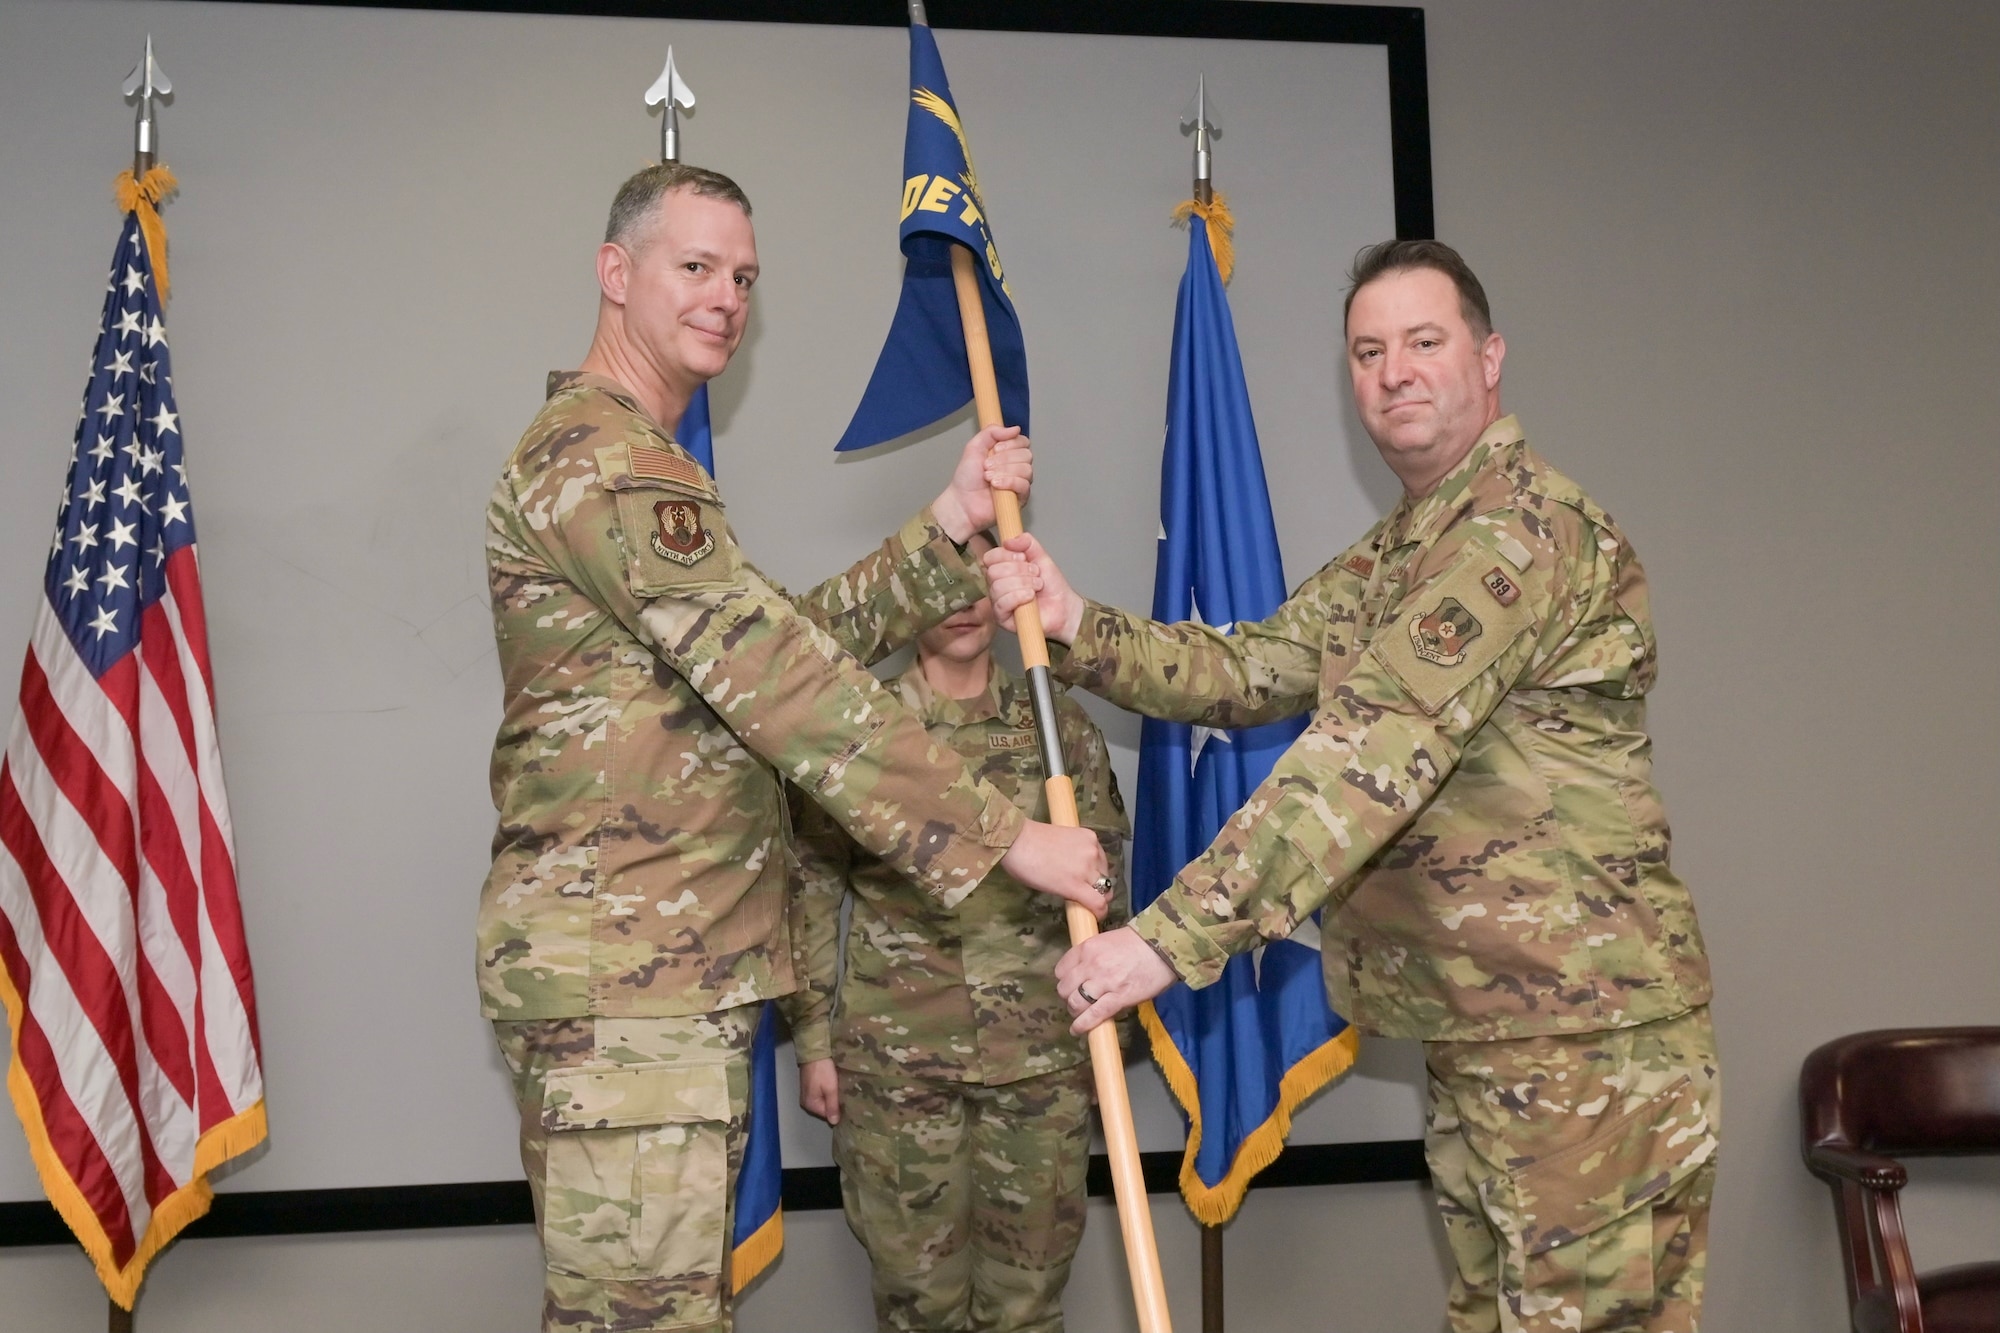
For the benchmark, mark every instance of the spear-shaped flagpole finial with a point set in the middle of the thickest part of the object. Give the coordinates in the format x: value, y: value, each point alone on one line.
x: 146, y: 82
x: 674, y: 92
x: 1202, y: 120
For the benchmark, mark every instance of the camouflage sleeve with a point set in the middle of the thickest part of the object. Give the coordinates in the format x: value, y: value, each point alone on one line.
x: 896, y: 592
x: 1098, y: 804
x: 1492, y: 590
x: 1245, y: 676
x: 823, y: 854
x: 658, y: 556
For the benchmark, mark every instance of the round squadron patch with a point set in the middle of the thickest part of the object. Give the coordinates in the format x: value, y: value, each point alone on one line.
x: 680, y: 536
x: 1444, y: 635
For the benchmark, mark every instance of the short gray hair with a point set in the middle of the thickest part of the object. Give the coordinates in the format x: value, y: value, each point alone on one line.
x: 632, y: 211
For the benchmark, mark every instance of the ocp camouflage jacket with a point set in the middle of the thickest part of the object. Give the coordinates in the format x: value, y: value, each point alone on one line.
x: 659, y: 692
x: 927, y: 991
x: 1473, y: 803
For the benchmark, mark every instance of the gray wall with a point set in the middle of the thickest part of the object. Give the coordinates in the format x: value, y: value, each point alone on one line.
x: 1743, y: 256
x: 384, y: 241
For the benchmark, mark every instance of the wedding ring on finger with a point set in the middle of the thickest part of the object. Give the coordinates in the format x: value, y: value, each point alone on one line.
x: 1088, y: 998
x: 1104, y: 884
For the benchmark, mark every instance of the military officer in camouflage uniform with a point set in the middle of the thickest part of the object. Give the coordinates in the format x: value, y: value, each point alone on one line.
x: 660, y: 692
x: 940, y: 1050
x: 1472, y: 809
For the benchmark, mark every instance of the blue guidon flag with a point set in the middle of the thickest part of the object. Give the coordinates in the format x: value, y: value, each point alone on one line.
x: 758, y: 1235
x: 921, y: 376
x: 1243, y: 1054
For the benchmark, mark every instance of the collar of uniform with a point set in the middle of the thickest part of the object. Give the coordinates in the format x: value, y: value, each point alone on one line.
x: 1495, y: 448
x: 927, y: 703
x: 562, y: 380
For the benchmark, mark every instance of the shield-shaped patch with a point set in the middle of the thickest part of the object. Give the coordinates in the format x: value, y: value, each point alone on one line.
x: 1444, y: 635
x: 680, y: 535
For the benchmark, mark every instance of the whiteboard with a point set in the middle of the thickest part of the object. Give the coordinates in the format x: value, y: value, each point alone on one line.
x: 385, y: 240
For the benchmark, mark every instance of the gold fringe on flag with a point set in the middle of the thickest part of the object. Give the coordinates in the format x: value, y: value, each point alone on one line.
x: 144, y: 197
x: 1221, y: 229
x: 758, y: 1251
x: 1215, y: 1204
x: 238, y: 1134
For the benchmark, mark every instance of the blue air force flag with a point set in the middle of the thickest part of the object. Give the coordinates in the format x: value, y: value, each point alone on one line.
x: 1242, y: 1054
x: 694, y: 434
x: 921, y: 375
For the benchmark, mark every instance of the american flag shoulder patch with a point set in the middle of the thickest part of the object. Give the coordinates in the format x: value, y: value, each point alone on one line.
x: 655, y: 464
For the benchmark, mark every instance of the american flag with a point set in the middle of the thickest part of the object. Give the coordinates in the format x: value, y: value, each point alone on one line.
x: 122, y: 959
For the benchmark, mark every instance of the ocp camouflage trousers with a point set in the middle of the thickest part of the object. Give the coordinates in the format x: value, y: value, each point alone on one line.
x: 632, y: 1138
x: 969, y: 1198
x: 1574, y: 1175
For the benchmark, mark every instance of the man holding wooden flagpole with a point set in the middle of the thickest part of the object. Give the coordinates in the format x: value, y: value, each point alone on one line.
x: 660, y: 693
x: 1472, y: 811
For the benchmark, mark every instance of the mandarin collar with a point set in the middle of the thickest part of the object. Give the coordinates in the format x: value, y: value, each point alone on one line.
x: 1496, y: 446
x: 560, y: 381
x: 925, y: 699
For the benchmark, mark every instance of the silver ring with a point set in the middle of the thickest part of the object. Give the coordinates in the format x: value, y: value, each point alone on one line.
x: 1105, y: 884
x: 1088, y: 998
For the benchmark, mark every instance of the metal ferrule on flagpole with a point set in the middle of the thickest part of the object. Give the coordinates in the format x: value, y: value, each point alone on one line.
x: 1204, y: 184
x: 671, y: 93
x: 1042, y: 696
x: 146, y: 82
x: 1107, y: 1062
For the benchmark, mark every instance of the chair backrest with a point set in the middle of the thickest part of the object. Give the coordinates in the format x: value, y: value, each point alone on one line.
x: 1906, y: 1092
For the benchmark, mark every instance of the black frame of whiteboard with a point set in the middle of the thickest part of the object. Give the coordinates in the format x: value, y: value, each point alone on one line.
x: 1398, y: 29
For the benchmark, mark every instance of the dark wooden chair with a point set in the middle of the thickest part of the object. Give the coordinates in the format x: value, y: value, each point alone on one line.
x: 1868, y: 1099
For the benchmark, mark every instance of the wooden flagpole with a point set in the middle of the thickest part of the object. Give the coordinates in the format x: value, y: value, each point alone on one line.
x: 1114, y: 1105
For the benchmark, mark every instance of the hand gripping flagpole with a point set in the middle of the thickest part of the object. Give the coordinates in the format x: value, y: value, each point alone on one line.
x: 1114, y: 1103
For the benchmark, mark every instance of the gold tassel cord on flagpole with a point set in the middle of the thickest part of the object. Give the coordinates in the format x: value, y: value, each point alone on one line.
x: 1221, y: 229
x: 144, y: 197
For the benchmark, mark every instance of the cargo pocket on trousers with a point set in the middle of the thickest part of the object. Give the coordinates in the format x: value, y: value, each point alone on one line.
x: 871, y: 1193
x: 1567, y: 1204
x: 638, y: 1172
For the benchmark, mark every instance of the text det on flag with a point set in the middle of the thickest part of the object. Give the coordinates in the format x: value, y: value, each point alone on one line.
x: 921, y: 376
x: 135, y: 1066
x: 1243, y: 1054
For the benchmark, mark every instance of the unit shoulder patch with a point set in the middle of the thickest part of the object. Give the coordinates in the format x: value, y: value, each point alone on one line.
x: 1453, y: 630
x: 679, y: 534
x: 1443, y: 635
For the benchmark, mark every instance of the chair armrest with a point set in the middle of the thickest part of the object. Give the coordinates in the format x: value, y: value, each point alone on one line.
x: 1869, y: 1170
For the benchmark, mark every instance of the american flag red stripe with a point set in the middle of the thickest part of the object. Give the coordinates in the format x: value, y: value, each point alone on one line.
x: 135, y: 1062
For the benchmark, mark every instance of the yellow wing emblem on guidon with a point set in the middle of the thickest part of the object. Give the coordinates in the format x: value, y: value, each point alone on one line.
x: 942, y: 109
